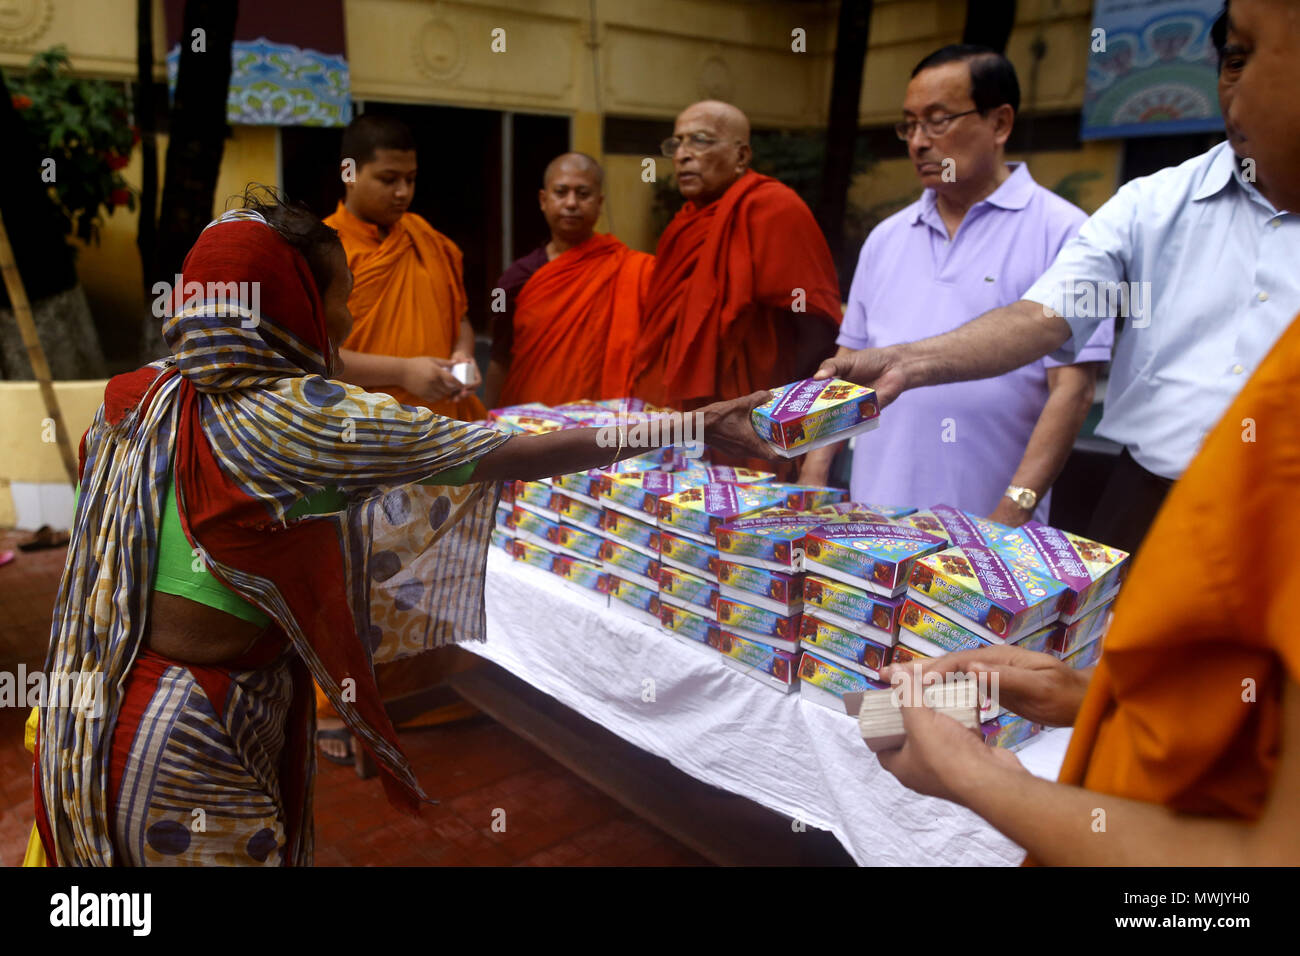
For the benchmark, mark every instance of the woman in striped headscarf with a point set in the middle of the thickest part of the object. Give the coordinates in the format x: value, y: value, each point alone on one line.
x: 325, y: 527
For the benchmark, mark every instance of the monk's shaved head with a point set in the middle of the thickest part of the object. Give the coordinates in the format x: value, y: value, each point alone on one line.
x: 727, y: 120
x: 574, y: 162
x: 710, y: 149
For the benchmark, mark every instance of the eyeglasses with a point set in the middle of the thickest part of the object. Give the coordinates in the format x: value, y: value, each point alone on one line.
x: 698, y: 143
x: 936, y: 126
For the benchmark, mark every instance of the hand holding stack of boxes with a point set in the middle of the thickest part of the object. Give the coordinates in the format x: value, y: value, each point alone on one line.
x: 793, y: 585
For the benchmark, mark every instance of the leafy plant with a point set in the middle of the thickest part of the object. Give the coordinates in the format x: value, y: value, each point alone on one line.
x: 82, y: 125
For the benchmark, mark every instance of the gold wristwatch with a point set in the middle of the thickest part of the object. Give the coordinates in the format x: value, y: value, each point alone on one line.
x: 1027, y: 498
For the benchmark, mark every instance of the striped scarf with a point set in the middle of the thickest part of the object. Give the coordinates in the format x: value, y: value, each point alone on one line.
x: 246, y: 415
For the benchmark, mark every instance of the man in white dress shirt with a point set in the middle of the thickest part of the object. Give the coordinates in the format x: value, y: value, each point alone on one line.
x: 1204, y: 272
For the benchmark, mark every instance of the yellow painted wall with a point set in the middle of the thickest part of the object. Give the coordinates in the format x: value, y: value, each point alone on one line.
x: 24, y: 455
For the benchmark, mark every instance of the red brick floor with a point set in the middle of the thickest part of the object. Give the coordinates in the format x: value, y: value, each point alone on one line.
x: 478, y: 770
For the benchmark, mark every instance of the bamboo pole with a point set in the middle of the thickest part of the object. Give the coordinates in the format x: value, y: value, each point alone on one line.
x: 35, y: 354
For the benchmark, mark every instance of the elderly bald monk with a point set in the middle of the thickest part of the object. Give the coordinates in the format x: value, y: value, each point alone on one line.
x: 744, y: 293
x: 572, y: 306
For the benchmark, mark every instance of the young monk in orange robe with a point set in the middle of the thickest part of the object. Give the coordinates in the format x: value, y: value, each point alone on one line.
x: 408, y: 298
x: 1186, y: 742
x: 744, y: 294
x: 573, y: 306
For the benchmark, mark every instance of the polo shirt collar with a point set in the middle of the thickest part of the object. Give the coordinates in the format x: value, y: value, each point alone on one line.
x: 1220, y: 171
x: 1014, y: 193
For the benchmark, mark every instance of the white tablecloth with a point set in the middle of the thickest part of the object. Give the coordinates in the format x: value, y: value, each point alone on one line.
x: 727, y: 729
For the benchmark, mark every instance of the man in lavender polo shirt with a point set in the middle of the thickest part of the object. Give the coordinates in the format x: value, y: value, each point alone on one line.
x: 978, y: 237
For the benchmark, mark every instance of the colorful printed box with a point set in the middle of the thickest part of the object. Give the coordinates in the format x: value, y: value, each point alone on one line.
x: 853, y: 608
x: 932, y: 634
x: 632, y: 599
x: 1091, y: 572
x: 771, y: 590
x: 1082, y: 632
x: 535, y: 496
x: 501, y: 517
x: 697, y: 512
x: 808, y: 497
x: 877, y: 557
x: 530, y: 419
x: 892, y: 512
x: 763, y: 662
x: 681, y: 622
x: 771, y: 542
x: 809, y: 414
x: 501, y: 539
x: 1040, y: 640
x: 1085, y: 656
x: 959, y: 528
x: 1009, y: 731
x: 658, y: 459
x: 996, y: 599
x: 530, y: 553
x: 906, y: 655
x: 507, y: 494
x: 617, y: 558
x: 575, y: 542
x: 727, y: 475
x: 637, y: 493
x: 583, y: 574
x: 637, y: 535
x: 688, y: 590
x: 581, y: 485
x: 758, y: 624
x: 825, y: 683
x: 688, y: 554
x: 573, y: 510
x: 531, y: 527
x: 844, y: 647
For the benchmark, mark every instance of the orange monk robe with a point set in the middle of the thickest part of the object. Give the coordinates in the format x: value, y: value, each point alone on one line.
x: 1185, y: 707
x: 408, y: 297
x: 575, y: 325
x: 723, y: 316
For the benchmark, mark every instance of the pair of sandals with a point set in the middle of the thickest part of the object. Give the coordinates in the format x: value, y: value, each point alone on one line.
x: 43, y: 539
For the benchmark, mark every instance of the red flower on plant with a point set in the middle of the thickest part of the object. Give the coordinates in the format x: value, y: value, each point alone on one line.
x: 119, y: 197
x: 21, y: 102
x: 135, y: 135
x: 117, y: 161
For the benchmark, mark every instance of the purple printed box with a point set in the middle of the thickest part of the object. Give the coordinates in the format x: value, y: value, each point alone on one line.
x: 1091, y: 572
x: 769, y: 665
x: 681, y: 622
x: 535, y: 496
x: 697, y: 512
x: 853, y: 608
x: 583, y: 574
x: 637, y: 535
x: 727, y: 475
x: 933, y: 635
x: 573, y: 510
x: 1082, y: 632
x: 808, y: 497
x: 688, y: 554
x: 960, y: 528
x: 688, y: 590
x: 637, y: 493
x: 770, y: 590
x: 581, y: 485
x: 996, y: 599
x: 759, y: 624
x: 531, y: 527
x: 619, y: 559
x: 575, y: 542
x: 873, y: 556
x: 772, y: 542
x: 530, y: 553
x: 1009, y: 731
x: 633, y: 599
x: 892, y: 512
x: 844, y: 647
x: 825, y: 683
x: 809, y: 414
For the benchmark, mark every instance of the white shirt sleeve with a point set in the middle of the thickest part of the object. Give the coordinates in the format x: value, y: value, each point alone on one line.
x: 1099, y: 255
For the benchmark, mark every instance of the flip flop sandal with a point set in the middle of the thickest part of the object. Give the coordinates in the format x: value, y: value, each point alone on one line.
x: 43, y: 539
x: 341, y: 734
x: 6, y: 557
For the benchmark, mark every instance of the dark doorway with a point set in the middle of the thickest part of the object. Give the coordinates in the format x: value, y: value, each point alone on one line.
x: 460, y: 184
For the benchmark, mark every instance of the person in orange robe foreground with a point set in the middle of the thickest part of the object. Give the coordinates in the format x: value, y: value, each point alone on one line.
x: 1186, y: 743
x: 410, y: 327
x: 744, y: 294
x: 572, y: 307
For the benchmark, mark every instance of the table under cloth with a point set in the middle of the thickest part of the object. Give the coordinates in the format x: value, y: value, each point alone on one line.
x: 682, y: 703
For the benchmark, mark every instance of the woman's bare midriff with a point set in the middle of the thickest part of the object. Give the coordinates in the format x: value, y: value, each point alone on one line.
x: 194, y: 633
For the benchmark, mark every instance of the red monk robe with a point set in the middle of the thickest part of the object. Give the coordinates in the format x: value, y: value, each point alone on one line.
x: 408, y: 296
x: 575, y: 325
x: 718, y: 322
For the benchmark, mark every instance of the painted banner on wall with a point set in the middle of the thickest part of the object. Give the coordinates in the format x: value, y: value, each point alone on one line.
x: 287, y: 69
x: 1153, y: 69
